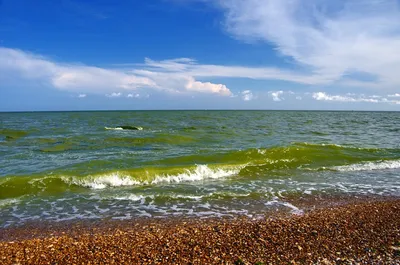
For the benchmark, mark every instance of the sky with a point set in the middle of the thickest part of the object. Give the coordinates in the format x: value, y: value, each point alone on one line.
x: 199, y: 54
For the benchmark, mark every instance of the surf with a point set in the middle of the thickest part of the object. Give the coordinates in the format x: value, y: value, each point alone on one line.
x: 51, y: 184
x: 261, y: 163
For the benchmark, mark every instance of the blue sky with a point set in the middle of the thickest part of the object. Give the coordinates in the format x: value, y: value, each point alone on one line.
x: 199, y: 54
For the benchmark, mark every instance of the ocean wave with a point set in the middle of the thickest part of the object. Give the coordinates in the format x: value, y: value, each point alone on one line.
x: 102, y: 182
x: 249, y: 163
x: 296, y: 155
x: 369, y: 166
x: 11, y: 134
x: 336, y: 146
x: 117, y: 179
x: 7, y: 202
x: 202, y: 172
x: 55, y: 183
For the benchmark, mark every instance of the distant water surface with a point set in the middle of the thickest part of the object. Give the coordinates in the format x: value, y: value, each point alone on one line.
x: 73, y: 165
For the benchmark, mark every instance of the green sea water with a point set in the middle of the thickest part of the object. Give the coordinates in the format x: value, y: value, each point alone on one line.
x: 83, y: 165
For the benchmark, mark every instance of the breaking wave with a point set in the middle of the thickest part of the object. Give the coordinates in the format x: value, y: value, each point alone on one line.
x: 12, y: 187
x: 249, y: 163
x: 379, y: 165
x: 115, y: 179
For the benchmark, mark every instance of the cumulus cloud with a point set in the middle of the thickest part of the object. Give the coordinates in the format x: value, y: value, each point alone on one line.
x: 277, y: 95
x: 114, y: 95
x: 82, y: 96
x: 353, y: 41
x: 326, y: 97
x: 180, y: 82
x: 351, y: 97
x: 193, y: 85
x: 137, y: 95
x: 247, y: 95
x: 133, y: 95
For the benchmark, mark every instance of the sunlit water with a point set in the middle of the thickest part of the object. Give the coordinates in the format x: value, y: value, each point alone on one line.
x: 70, y: 165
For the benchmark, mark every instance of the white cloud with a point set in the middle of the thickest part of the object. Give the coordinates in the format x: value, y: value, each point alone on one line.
x: 25, y: 64
x: 348, y: 43
x: 80, y: 78
x: 197, y: 86
x: 354, y: 41
x: 133, y: 95
x: 76, y: 78
x: 114, y: 95
x: 247, y: 95
x: 189, y: 67
x: 82, y: 96
x: 351, y: 97
x: 326, y: 97
x: 89, y: 79
x: 276, y: 95
x: 179, y: 82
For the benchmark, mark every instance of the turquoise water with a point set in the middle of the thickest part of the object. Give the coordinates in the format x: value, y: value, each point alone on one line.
x: 74, y: 165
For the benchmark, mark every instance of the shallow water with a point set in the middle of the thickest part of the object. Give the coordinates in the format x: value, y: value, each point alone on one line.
x: 70, y: 165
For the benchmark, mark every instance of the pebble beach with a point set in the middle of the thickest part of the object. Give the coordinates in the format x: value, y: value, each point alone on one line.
x: 354, y: 233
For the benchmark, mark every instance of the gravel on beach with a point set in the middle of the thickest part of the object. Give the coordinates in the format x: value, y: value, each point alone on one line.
x: 357, y: 233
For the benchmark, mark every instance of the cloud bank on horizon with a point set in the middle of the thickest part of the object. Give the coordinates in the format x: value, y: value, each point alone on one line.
x: 349, y: 44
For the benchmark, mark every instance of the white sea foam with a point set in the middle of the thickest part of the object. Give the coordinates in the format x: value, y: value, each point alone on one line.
x: 102, y: 182
x: 331, y: 145
x: 7, y: 202
x: 132, y: 197
x: 201, y: 172
x: 309, y: 191
x: 261, y: 151
x: 369, y: 166
x: 195, y: 198
x: 294, y: 209
x: 271, y: 161
x: 114, y: 128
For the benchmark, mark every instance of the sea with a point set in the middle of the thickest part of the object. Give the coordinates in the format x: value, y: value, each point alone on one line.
x: 66, y: 166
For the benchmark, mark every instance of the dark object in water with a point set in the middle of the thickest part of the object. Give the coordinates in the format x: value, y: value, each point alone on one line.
x: 127, y: 127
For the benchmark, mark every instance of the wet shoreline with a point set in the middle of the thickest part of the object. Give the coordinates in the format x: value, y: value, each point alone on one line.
x: 346, y: 230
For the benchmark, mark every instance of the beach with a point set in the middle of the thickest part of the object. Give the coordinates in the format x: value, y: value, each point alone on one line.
x: 199, y: 187
x: 353, y: 233
x: 243, y: 132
